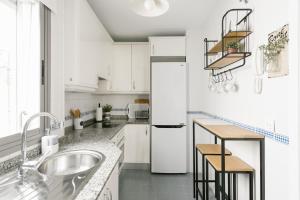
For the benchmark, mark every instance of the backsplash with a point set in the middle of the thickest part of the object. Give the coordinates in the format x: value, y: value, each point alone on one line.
x: 87, y: 103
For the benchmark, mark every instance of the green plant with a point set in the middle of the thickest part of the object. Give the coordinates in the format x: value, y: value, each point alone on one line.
x: 107, y: 108
x: 273, y: 49
x: 233, y: 45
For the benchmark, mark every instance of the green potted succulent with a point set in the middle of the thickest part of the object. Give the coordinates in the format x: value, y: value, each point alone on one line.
x: 233, y: 47
x: 107, y: 112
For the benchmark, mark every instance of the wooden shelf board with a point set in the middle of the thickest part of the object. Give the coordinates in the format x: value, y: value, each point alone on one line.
x: 228, y: 59
x: 228, y: 38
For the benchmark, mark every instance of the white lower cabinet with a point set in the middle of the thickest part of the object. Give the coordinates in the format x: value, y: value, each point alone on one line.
x: 111, y: 188
x: 137, y: 143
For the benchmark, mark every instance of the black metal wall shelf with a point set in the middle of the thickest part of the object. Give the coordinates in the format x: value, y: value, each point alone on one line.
x: 217, y: 56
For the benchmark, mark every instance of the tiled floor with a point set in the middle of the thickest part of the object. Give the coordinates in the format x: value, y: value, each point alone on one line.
x: 142, y: 185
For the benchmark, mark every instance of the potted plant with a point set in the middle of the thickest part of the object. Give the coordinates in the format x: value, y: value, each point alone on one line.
x: 107, y: 112
x: 233, y: 47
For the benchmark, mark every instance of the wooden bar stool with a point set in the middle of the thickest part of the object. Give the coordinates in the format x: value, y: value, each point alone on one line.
x: 234, y: 166
x: 205, y: 150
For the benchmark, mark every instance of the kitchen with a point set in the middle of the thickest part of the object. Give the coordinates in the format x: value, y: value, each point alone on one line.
x: 149, y: 99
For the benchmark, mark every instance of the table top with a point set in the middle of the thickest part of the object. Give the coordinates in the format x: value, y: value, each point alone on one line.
x: 230, y: 132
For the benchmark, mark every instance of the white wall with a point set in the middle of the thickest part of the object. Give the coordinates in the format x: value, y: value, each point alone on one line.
x: 277, y: 102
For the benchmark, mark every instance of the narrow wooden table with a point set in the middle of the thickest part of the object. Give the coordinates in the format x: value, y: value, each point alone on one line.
x: 232, y: 133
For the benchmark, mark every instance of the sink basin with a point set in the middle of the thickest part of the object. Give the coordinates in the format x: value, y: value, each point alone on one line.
x: 71, y: 162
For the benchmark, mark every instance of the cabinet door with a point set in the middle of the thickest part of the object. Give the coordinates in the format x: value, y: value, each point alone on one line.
x: 140, y: 68
x: 111, y: 188
x: 121, y: 70
x: 137, y: 144
x: 167, y: 46
x: 89, y: 45
x: 71, y: 66
x: 113, y: 184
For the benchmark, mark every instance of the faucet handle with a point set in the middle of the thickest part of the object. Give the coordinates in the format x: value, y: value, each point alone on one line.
x: 57, y: 125
x: 47, y: 131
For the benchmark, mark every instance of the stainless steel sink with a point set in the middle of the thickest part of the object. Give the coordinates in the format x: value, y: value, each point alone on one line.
x: 71, y: 162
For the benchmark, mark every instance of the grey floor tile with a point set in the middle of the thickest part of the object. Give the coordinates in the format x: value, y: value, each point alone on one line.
x: 142, y: 185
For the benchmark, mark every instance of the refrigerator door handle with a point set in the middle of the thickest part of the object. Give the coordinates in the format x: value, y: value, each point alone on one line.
x: 169, y: 126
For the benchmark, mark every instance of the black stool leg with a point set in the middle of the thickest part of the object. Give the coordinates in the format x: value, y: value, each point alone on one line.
x: 229, y: 186
x: 207, y: 182
x: 217, y: 186
x: 251, y: 185
x: 234, y: 186
x: 194, y: 151
x: 216, y: 183
x: 204, y: 179
x: 196, y: 177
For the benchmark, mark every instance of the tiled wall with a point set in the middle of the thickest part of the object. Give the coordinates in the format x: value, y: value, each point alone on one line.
x: 87, y: 103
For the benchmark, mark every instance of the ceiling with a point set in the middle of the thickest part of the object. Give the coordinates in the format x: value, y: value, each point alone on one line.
x: 124, y: 25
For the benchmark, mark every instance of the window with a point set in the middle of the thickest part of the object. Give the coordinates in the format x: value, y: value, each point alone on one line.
x: 20, y: 64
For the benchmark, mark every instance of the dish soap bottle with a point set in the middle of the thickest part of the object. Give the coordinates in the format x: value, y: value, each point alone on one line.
x: 99, y: 113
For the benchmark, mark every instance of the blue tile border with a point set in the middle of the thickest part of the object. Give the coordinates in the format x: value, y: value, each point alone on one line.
x: 269, y: 134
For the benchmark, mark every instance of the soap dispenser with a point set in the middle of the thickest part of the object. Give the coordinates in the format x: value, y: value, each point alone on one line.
x: 99, y: 113
x: 50, y: 143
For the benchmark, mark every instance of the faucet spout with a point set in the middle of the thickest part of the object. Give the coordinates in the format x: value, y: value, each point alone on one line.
x: 24, y: 137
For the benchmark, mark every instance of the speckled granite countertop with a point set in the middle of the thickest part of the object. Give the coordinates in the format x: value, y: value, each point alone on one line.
x: 98, y: 139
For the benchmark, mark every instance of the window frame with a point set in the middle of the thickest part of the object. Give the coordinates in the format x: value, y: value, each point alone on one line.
x: 12, y: 143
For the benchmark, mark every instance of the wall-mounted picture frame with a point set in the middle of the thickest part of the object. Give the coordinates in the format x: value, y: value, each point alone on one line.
x: 277, y: 53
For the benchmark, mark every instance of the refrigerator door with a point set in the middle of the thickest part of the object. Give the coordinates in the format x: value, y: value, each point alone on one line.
x: 168, y: 93
x: 168, y: 149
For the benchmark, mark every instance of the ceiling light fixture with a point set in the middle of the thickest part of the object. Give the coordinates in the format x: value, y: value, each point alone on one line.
x: 149, y: 4
x: 149, y: 8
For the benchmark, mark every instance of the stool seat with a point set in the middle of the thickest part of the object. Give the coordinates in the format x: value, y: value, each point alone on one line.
x: 233, y: 164
x: 211, y: 149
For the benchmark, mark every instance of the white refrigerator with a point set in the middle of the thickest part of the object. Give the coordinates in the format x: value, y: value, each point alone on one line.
x: 168, y: 117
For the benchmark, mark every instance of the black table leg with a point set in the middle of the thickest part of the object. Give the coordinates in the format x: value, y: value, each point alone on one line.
x: 251, y: 186
x: 196, y: 176
x: 234, y: 186
x: 204, y: 178
x: 229, y: 186
x: 262, y: 169
x: 207, y: 183
x: 194, y: 186
x: 223, y: 169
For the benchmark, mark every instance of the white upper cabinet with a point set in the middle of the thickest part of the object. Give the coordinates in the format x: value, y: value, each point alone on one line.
x: 130, y: 71
x: 121, y: 70
x: 168, y: 46
x: 140, y: 67
x: 87, y: 47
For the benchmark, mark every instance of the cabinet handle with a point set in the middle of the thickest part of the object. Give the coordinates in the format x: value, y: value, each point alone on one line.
x: 105, y: 197
x: 71, y: 79
x: 146, y: 131
x: 153, y: 49
x: 133, y: 85
x: 109, y: 194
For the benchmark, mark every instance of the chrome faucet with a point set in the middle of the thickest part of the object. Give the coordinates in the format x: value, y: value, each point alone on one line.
x: 24, y: 163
